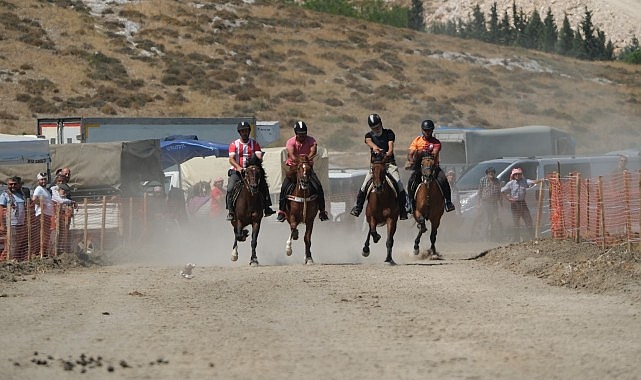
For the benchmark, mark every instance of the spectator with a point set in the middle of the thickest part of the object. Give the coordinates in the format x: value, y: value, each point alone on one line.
x: 489, y: 195
x: 216, y: 196
x: 451, y: 179
x: 13, y: 201
x: 176, y: 205
x: 622, y: 165
x: 516, y: 189
x: 63, y: 210
x: 55, y: 194
x: 43, y: 212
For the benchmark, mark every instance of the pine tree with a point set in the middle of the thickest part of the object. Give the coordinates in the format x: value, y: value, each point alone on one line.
x: 550, y: 32
x: 565, y: 43
x: 494, y: 32
x: 415, y: 17
x: 591, y: 46
x: 505, y: 30
x: 476, y: 27
x: 533, y: 32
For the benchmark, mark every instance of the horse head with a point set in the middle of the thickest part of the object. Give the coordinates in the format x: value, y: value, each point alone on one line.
x: 427, y: 166
x: 379, y: 171
x: 303, y: 172
x: 252, y: 176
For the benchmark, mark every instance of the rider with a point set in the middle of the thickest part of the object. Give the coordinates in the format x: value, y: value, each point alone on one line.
x: 300, y: 145
x: 240, y: 150
x: 428, y: 143
x: 381, y: 141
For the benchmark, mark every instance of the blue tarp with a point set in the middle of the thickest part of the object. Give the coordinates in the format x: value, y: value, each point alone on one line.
x: 175, y: 152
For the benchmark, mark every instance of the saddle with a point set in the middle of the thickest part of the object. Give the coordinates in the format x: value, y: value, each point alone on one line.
x: 388, y: 178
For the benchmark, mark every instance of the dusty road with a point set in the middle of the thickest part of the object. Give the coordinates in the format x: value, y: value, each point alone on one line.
x: 343, y: 318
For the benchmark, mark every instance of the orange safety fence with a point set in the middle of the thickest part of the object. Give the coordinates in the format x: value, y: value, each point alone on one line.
x: 87, y: 225
x: 603, y: 210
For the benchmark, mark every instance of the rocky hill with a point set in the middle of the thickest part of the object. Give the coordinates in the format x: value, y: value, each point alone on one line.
x: 278, y: 61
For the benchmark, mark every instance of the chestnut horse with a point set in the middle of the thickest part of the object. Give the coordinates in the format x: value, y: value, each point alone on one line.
x: 303, y: 207
x: 248, y: 209
x: 382, y: 207
x: 430, y: 203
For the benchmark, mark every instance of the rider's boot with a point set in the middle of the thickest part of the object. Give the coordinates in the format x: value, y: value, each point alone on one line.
x: 402, y: 201
x: 229, y: 203
x: 322, y: 214
x: 269, y: 211
x: 360, y: 201
x: 447, y: 193
x: 281, y: 209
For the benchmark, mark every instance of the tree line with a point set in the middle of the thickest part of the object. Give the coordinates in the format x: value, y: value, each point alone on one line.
x: 531, y: 31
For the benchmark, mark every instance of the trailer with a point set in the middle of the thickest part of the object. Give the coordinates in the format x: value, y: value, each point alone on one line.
x: 66, y: 130
x: 465, y: 147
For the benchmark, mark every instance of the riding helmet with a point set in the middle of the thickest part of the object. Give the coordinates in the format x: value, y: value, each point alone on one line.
x: 300, y: 127
x: 374, y: 120
x: 243, y: 125
x: 427, y: 124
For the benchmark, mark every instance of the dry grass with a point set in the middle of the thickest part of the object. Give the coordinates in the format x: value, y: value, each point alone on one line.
x: 280, y: 62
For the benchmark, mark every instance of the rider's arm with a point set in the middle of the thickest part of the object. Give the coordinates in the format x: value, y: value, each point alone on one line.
x: 371, y: 145
x: 290, y: 153
x: 312, y: 151
x: 390, y: 148
x: 233, y: 162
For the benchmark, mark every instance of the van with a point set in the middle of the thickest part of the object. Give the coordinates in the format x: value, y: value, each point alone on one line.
x: 534, y: 168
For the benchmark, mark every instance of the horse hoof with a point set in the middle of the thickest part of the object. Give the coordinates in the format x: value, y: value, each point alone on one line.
x: 309, y: 260
x: 436, y: 256
x: 288, y: 252
x: 365, y: 251
x: 253, y: 263
x: 234, y: 257
x: 390, y: 262
x: 416, y: 252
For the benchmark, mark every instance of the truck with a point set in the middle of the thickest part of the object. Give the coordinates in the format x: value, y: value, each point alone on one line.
x: 465, y: 147
x: 68, y: 130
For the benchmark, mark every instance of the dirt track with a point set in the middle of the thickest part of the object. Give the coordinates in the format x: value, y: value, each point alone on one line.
x: 345, y: 317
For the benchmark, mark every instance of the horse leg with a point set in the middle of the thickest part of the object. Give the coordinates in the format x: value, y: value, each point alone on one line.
x: 435, y: 255
x: 234, y: 250
x: 366, y: 245
x: 308, y: 243
x: 391, y: 230
x: 254, y: 243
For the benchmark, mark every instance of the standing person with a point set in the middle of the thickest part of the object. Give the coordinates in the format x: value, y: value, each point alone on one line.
x: 381, y: 142
x: 516, y: 189
x: 622, y: 164
x: 428, y: 143
x: 216, y: 196
x: 489, y: 195
x: 44, y: 212
x: 63, y: 208
x: 12, y: 201
x: 300, y: 145
x: 451, y: 180
x: 240, y: 150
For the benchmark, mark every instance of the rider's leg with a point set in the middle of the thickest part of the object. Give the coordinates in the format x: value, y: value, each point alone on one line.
x: 264, y: 189
x: 229, y: 201
x: 411, y: 187
x: 360, y: 198
x: 402, y: 196
x: 447, y: 191
x: 282, y: 199
x: 322, y: 214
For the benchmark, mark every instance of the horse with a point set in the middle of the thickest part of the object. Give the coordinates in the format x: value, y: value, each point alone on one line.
x: 303, y: 207
x: 429, y: 200
x: 248, y: 208
x: 382, y: 207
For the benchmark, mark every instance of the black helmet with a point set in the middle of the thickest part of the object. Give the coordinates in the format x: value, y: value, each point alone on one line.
x: 374, y: 120
x: 243, y: 125
x: 427, y: 124
x: 490, y: 169
x: 300, y: 127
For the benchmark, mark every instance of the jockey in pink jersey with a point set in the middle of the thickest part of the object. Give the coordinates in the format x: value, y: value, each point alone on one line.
x: 300, y: 145
x: 240, y: 150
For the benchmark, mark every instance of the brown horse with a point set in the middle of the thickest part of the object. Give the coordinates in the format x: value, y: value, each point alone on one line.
x: 382, y: 207
x: 430, y: 203
x: 303, y: 207
x: 248, y: 210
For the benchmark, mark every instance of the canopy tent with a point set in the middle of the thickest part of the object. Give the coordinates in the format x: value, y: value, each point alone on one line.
x: 176, y: 151
x: 23, y: 156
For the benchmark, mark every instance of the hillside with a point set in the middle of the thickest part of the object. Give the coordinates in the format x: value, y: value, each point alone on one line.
x: 280, y: 62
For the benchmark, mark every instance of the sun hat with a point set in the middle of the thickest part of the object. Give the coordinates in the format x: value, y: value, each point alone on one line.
x: 42, y: 175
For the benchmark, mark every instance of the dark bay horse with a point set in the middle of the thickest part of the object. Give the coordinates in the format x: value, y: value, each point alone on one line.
x: 430, y: 203
x: 248, y: 208
x: 382, y: 207
x: 303, y: 207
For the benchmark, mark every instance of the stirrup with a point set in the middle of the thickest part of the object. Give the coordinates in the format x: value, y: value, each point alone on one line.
x: 356, y: 211
x: 281, y: 216
x: 268, y: 211
x: 322, y: 215
x: 449, y: 206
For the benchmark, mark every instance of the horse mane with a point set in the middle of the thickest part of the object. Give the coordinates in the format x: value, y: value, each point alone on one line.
x: 253, y: 160
x: 417, y: 162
